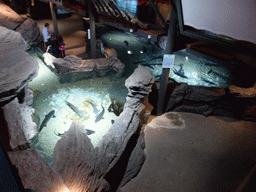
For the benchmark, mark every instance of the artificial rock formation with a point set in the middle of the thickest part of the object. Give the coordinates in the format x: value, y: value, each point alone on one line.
x: 8, y: 17
x: 15, y: 73
x: 30, y: 32
x: 28, y: 28
x: 119, y: 155
x: 35, y: 173
x: 233, y: 102
x: 73, y: 68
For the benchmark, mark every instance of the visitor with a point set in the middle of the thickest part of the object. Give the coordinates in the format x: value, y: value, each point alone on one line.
x: 62, y: 47
x: 53, y: 45
x: 46, y: 35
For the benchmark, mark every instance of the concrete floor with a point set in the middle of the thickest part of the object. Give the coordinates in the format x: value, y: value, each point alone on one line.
x: 201, y: 154
x: 196, y: 154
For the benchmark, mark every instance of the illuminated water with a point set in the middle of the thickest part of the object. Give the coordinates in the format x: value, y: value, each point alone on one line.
x: 50, y: 95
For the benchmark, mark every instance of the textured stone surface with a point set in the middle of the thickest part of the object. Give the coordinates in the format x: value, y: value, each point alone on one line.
x: 30, y: 32
x: 13, y: 117
x: 15, y: 73
x: 73, y: 67
x: 119, y: 155
x: 233, y: 102
x: 139, y: 85
x: 35, y: 173
x: 28, y: 28
x: 162, y: 42
x: 8, y: 17
x: 20, y: 123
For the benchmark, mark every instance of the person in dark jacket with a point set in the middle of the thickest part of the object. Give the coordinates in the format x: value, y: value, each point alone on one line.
x: 54, y: 46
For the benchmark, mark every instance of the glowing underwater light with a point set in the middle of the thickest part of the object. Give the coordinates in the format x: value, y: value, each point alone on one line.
x: 194, y: 74
x: 129, y: 52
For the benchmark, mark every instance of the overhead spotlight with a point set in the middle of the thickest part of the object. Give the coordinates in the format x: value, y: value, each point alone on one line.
x: 129, y: 52
x: 141, y: 52
x: 186, y: 58
x: 149, y: 36
x: 131, y: 30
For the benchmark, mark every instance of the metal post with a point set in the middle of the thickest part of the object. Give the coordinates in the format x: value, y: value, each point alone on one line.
x: 157, y: 12
x: 54, y: 18
x: 165, y: 72
x: 92, y: 31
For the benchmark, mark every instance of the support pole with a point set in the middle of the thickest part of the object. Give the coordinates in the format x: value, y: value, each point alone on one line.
x: 92, y: 30
x: 54, y: 18
x: 165, y: 72
x: 157, y: 12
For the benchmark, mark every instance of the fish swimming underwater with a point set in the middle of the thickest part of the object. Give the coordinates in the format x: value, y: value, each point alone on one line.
x: 100, y: 116
x: 75, y: 109
x: 95, y: 110
x: 180, y: 72
x: 207, y: 81
x: 126, y: 43
x: 219, y: 75
x: 88, y: 131
x: 46, y: 119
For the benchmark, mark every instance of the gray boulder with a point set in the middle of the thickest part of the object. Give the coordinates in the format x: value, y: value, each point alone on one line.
x: 9, y: 18
x: 30, y: 32
x: 73, y: 68
x: 15, y: 73
x: 35, y: 173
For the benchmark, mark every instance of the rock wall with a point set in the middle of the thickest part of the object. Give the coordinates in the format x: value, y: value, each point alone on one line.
x: 28, y: 28
x: 35, y: 173
x: 232, y: 102
x: 72, y: 68
x: 17, y: 66
x: 119, y: 155
x: 19, y: 119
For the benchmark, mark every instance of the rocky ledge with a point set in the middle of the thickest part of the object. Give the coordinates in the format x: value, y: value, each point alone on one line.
x: 234, y: 101
x: 18, y: 68
x: 28, y: 28
x: 72, y: 68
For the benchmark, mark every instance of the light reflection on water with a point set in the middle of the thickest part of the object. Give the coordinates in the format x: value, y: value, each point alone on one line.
x: 51, y: 95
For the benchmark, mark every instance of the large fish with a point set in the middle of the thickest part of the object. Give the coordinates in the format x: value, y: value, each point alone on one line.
x: 126, y: 43
x: 217, y: 74
x: 75, y: 109
x: 46, y: 119
x: 207, y: 81
x: 88, y: 131
x: 100, y: 116
x: 180, y: 72
x: 95, y: 110
x: 44, y: 123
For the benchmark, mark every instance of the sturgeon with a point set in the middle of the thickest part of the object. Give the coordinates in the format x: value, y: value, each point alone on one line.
x: 75, y: 109
x: 44, y: 123
x: 95, y: 110
x: 46, y: 119
x: 100, y: 116
x: 180, y: 72
x: 88, y: 131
